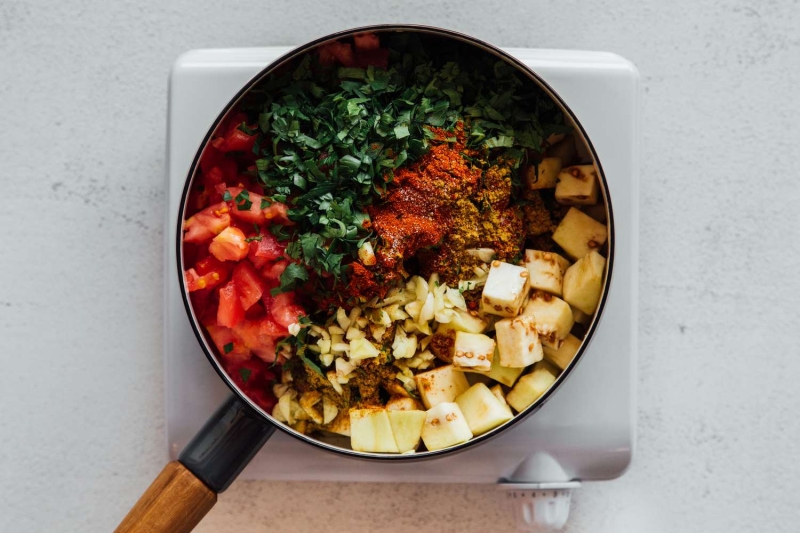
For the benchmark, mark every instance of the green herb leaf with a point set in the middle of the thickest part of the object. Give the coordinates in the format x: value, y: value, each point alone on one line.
x: 242, y: 200
x: 245, y: 373
x: 293, y: 275
x: 228, y: 348
x: 312, y: 365
x: 226, y: 196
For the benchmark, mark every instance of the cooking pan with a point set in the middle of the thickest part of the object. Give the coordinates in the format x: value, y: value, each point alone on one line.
x: 187, y: 489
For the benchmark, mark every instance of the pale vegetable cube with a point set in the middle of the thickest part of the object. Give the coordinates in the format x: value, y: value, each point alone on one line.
x: 546, y: 270
x: 578, y: 234
x: 403, y: 403
x: 577, y: 185
x: 564, y: 150
x: 552, y: 316
x: 462, y: 321
x: 530, y: 387
x: 473, y: 352
x: 482, y: 409
x: 497, y: 390
x: 503, y: 374
x: 597, y: 212
x: 580, y: 317
x: 340, y: 424
x: 439, y: 385
x: 445, y: 426
x: 407, y: 428
x: 370, y: 431
x: 544, y: 175
x: 518, y: 343
x: 583, y: 282
x: 505, y: 289
x: 562, y: 356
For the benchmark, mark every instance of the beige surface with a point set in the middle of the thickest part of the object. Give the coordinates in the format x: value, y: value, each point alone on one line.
x: 260, y: 507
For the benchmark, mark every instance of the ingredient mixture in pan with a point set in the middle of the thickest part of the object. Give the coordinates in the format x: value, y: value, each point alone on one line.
x: 396, y: 240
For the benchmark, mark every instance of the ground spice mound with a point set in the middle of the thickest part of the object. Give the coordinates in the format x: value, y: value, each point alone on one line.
x: 418, y: 211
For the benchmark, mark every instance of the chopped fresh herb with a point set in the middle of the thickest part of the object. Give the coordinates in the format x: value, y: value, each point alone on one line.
x: 265, y: 203
x: 312, y: 365
x: 257, y: 236
x: 291, y: 277
x: 226, y: 196
x: 245, y: 374
x: 228, y: 348
x: 242, y: 200
x: 336, y: 135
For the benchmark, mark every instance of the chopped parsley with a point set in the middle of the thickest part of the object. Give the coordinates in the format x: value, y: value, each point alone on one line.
x: 226, y: 196
x: 228, y: 348
x: 245, y: 374
x: 333, y: 137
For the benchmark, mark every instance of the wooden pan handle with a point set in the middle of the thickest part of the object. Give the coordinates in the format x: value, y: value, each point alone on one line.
x: 174, y: 503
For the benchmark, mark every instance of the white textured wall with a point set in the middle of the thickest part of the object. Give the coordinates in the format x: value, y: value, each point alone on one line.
x: 82, y: 108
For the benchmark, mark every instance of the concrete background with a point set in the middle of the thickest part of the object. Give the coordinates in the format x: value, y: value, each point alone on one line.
x: 82, y: 104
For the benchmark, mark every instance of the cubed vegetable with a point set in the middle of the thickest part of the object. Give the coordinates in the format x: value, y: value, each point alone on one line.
x: 505, y: 289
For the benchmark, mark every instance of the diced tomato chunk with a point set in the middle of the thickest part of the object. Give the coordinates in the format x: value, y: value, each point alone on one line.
x: 378, y: 57
x: 274, y: 271
x: 265, y: 250
x: 230, y: 312
x: 229, y: 245
x: 211, y: 158
x: 366, y: 41
x: 230, y: 348
x: 285, y: 311
x: 249, y: 332
x: 253, y: 213
x: 207, y: 273
x: 211, y: 264
x: 273, y: 329
x: 249, y: 284
x: 263, y: 398
x: 279, y: 213
x: 203, y: 226
x: 238, y: 141
x: 341, y: 52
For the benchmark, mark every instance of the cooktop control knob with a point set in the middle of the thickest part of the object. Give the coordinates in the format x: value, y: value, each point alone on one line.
x: 540, y: 507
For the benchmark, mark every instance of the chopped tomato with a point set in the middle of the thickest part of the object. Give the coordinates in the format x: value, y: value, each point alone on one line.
x: 249, y: 284
x: 274, y: 271
x: 203, y: 226
x: 231, y: 123
x: 366, y: 41
x: 211, y: 264
x: 265, y: 250
x: 263, y: 398
x: 249, y: 332
x: 238, y: 141
x: 378, y: 57
x: 341, y: 52
x: 271, y: 328
x: 198, y: 199
x: 253, y: 214
x: 230, y: 312
x: 229, y: 347
x: 229, y: 245
x: 285, y: 311
x: 326, y: 57
x: 211, y: 158
x: 208, y: 272
x: 203, y: 308
x: 279, y: 213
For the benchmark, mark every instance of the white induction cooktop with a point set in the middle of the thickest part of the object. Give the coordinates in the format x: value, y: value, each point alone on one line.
x: 585, y: 432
